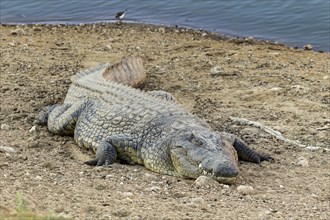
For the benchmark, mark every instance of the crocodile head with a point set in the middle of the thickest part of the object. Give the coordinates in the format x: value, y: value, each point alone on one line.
x: 204, y: 153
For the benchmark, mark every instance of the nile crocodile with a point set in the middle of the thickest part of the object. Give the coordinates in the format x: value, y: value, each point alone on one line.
x: 119, y: 122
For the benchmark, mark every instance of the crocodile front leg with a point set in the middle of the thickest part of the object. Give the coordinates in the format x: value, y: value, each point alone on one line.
x: 244, y: 152
x: 106, y: 154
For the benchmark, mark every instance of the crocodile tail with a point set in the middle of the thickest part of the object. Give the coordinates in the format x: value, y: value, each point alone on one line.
x: 128, y: 71
x: 88, y: 71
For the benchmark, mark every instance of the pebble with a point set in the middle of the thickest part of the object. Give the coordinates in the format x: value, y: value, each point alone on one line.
x: 5, y: 127
x: 17, y: 32
x: 33, y: 129
x: 161, y: 30
x: 245, y: 190
x: 154, y: 188
x: 121, y: 212
x: 308, y: 47
x: 107, y: 48
x: 38, y: 178
x: 109, y: 176
x: 302, y: 161
x: 197, y: 200
x: 204, y: 34
x: 264, y: 213
x: 215, y: 71
x: 36, y: 28
x: 151, y: 176
x: 206, y: 181
x: 127, y: 194
x: 7, y: 149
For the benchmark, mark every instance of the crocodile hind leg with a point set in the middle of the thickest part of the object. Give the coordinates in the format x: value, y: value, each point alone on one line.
x: 61, y: 119
x: 244, y: 152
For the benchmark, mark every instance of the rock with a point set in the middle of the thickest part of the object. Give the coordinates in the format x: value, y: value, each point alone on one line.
x: 127, y: 194
x: 36, y: 28
x: 308, y: 47
x: 245, y: 190
x: 38, y: 178
x: 161, y: 30
x: 216, y: 71
x: 263, y: 214
x: 154, y: 188
x: 4, y: 127
x: 121, y: 212
x: 33, y: 129
x: 151, y: 176
x: 7, y: 149
x: 206, y: 181
x: 197, y: 200
x: 109, y: 176
x: 107, y: 48
x: 17, y: 32
x: 204, y: 34
x: 302, y: 161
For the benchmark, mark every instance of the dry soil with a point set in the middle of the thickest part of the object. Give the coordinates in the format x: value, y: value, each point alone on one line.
x: 216, y: 78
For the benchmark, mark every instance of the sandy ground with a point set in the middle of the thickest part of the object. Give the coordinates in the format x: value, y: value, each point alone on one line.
x: 283, y: 88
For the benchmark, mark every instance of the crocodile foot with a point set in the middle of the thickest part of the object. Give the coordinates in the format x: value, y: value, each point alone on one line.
x: 106, y: 154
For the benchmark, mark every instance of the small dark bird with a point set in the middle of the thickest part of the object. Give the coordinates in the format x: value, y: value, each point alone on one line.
x: 120, y: 14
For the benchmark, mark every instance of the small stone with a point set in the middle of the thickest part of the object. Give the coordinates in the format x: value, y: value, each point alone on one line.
x: 121, y: 212
x: 36, y: 28
x: 127, y: 194
x: 308, y: 47
x: 107, y: 48
x: 264, y: 213
x: 161, y: 30
x: 33, y: 129
x: 38, y: 178
x: 216, y: 71
x: 311, y: 148
x: 206, y: 181
x: 154, y: 188
x: 7, y: 149
x: 5, y: 127
x: 245, y: 190
x: 151, y: 176
x: 302, y: 161
x: 17, y: 32
x: 109, y: 176
x: 204, y: 34
x: 197, y: 200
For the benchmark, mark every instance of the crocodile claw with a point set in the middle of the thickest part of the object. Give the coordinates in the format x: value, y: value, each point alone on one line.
x: 98, y: 162
x: 106, y: 154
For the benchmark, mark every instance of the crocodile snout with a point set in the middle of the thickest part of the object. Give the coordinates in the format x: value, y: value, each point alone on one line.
x: 226, y: 171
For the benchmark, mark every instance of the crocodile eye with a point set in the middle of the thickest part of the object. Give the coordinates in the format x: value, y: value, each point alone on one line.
x: 198, y: 142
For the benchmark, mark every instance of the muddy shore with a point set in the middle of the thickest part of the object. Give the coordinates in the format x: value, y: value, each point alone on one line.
x: 216, y: 78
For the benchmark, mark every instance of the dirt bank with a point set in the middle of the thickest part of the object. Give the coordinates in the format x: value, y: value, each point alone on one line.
x: 283, y: 88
